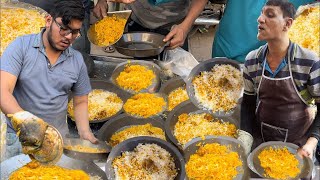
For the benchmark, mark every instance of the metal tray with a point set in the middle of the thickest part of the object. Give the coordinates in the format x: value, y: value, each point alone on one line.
x: 237, y: 146
x: 16, y: 162
x: 207, y: 66
x: 86, y: 155
x: 171, y: 85
x: 130, y: 144
x: 305, y: 164
x: 123, y: 121
x: 108, y: 86
x: 188, y: 107
x: 154, y: 87
x: 141, y: 44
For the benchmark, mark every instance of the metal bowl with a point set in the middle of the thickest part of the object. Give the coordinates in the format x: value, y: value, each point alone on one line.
x: 235, y: 145
x: 207, y: 66
x: 124, y: 121
x: 108, y: 86
x: 141, y: 44
x: 101, y: 145
x: 188, y: 107
x: 130, y: 144
x: 305, y: 164
x: 16, y: 162
x: 156, y: 115
x: 171, y: 85
x: 154, y: 87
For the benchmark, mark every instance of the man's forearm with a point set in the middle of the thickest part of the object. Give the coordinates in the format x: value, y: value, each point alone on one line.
x: 196, y: 8
x: 9, y: 104
x: 81, y: 114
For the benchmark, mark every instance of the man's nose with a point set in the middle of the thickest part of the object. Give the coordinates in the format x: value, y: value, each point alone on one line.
x: 261, y: 18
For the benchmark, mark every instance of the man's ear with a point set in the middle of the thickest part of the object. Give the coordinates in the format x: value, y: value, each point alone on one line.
x: 48, y: 19
x: 288, y: 23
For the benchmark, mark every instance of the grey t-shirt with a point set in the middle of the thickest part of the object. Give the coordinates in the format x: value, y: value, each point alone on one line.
x: 163, y: 15
x: 41, y: 88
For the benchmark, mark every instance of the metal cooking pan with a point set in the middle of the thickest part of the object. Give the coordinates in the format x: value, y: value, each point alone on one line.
x: 108, y: 86
x: 141, y: 44
x: 235, y: 145
x: 87, y: 156
x: 130, y: 144
x: 14, y: 163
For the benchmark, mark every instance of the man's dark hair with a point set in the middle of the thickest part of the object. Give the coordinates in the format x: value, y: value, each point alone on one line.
x: 286, y: 7
x: 68, y: 10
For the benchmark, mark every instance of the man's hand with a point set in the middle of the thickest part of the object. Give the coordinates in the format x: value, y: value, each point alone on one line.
x: 30, y: 129
x: 101, y: 9
x: 88, y: 135
x: 177, y: 36
x: 308, y: 149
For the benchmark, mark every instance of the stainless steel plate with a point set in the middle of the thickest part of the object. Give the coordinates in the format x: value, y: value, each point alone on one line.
x: 188, y: 107
x: 108, y: 86
x: 101, y: 145
x: 130, y: 144
x: 124, y: 121
x: 154, y: 87
x: 207, y: 66
x: 305, y: 164
x: 235, y: 145
x: 16, y: 162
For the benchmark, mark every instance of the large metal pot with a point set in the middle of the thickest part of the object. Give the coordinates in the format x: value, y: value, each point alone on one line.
x: 16, y: 162
x: 141, y: 44
x: 130, y: 144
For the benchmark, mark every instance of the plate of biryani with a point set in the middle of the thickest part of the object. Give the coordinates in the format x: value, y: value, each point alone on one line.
x: 145, y: 158
x: 216, y: 158
x: 176, y: 91
x: 104, y: 101
x: 187, y: 122
x: 21, y: 167
x: 136, y: 76
x: 145, y: 105
x: 108, y: 30
x: 307, y: 23
x: 279, y: 160
x: 124, y: 127
x: 216, y: 85
x: 18, y: 19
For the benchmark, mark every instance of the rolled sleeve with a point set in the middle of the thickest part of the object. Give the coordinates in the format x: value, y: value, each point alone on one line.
x: 313, y: 83
x: 82, y: 86
x: 248, y: 82
x: 12, y: 58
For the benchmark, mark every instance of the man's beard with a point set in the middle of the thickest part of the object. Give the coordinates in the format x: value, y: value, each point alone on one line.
x: 51, y: 43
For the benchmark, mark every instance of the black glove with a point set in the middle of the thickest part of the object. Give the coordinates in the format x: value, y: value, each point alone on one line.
x: 30, y: 129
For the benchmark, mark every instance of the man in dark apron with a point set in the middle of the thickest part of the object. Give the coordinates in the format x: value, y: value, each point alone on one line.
x: 282, y: 84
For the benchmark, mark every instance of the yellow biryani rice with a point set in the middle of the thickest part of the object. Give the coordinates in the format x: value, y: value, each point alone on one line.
x: 85, y: 149
x: 279, y: 163
x: 107, y: 31
x: 15, y: 22
x: 176, y: 97
x: 213, y: 161
x: 145, y: 105
x: 135, y: 131
x: 101, y: 104
x: 218, y: 89
x: 305, y: 30
x: 147, y: 161
x: 34, y: 171
x: 135, y: 77
x: 190, y: 126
